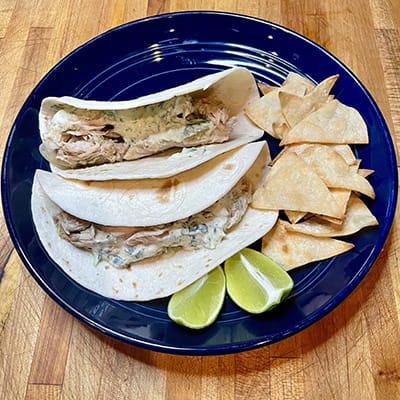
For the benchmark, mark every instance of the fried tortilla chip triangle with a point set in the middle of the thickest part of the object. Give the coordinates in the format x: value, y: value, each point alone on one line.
x: 358, y: 216
x: 297, y: 84
x: 341, y: 196
x: 296, y: 216
x: 292, y: 185
x: 343, y: 149
x: 334, y: 170
x: 334, y: 122
x: 293, y: 249
x: 295, y: 107
x: 266, y: 111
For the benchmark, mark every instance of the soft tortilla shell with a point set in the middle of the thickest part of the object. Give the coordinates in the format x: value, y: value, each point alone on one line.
x: 155, y: 201
x: 149, y: 279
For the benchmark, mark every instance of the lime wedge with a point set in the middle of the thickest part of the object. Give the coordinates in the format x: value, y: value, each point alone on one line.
x: 255, y: 282
x: 198, y: 305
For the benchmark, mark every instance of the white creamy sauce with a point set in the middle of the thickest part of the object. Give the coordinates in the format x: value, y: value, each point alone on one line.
x: 123, y: 246
x: 89, y: 137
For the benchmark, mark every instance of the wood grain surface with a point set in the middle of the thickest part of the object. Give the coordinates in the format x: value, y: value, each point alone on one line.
x: 352, y: 353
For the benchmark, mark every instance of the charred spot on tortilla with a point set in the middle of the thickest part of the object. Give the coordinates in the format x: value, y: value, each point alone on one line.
x: 165, y: 192
x: 169, y: 183
x: 228, y: 167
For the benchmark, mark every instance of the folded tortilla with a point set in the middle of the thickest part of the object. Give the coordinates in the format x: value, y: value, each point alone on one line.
x: 169, y: 270
x: 148, y: 202
x: 154, y: 136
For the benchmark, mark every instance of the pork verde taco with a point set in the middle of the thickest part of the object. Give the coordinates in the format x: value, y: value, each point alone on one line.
x: 154, y: 136
x: 148, y: 260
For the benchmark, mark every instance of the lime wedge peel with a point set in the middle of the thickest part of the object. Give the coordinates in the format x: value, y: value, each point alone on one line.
x: 255, y: 282
x: 199, y: 304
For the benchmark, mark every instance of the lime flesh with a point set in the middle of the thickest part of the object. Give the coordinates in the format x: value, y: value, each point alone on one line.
x: 198, y: 305
x: 255, y: 282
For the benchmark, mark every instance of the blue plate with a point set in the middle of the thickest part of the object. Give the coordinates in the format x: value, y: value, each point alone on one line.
x: 152, y: 54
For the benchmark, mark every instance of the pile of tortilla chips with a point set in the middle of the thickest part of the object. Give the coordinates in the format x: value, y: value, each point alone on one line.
x: 316, y: 180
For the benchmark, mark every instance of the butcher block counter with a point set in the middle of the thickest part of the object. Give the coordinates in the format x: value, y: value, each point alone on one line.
x: 353, y: 352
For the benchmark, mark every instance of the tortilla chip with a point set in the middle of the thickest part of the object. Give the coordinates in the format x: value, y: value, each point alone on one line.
x: 295, y: 108
x: 293, y: 185
x: 332, y: 123
x: 266, y: 111
x: 343, y: 150
x: 341, y: 196
x: 334, y: 171
x: 265, y: 88
x: 295, y: 216
x: 357, y: 217
x: 279, y: 129
x: 365, y: 172
x: 297, y: 84
x: 293, y: 249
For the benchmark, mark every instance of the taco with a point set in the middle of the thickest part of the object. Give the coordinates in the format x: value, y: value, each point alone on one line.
x: 169, y: 132
x: 136, y: 262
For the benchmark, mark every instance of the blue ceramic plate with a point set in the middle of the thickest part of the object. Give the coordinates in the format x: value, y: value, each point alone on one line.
x: 150, y: 55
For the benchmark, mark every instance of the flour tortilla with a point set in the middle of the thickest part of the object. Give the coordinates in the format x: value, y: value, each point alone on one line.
x: 150, y: 278
x: 154, y: 201
x: 234, y: 87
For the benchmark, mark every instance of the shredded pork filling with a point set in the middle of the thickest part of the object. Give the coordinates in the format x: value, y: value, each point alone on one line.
x: 122, y: 246
x: 79, y: 138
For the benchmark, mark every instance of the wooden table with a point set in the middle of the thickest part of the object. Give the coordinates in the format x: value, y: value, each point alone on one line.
x: 352, y: 353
